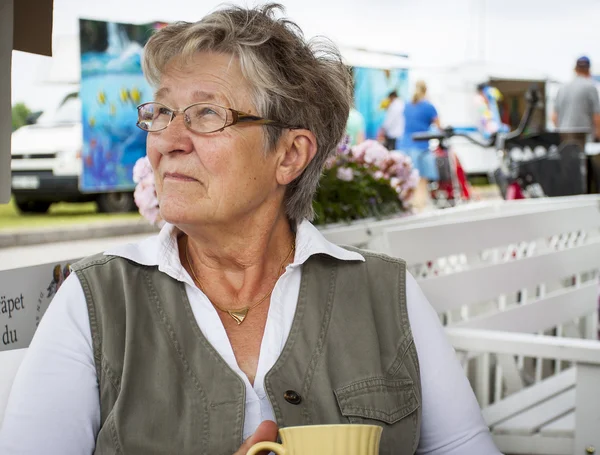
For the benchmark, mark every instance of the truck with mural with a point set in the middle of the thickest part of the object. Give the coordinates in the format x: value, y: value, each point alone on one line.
x: 85, y: 150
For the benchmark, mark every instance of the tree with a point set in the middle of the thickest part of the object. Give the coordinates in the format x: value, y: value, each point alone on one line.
x: 20, y: 114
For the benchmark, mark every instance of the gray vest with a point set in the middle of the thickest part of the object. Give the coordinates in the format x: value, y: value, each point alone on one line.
x: 164, y: 389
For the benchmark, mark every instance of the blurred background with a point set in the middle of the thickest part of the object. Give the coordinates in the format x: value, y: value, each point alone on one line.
x: 75, y: 143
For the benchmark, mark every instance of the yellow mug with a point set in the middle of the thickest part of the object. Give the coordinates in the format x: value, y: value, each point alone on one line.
x: 325, y: 440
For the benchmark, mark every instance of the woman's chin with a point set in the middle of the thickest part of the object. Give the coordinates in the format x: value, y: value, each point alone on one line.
x: 176, y: 211
x: 180, y: 217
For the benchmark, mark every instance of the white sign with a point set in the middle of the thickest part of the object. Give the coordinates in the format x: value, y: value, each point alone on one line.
x: 25, y: 295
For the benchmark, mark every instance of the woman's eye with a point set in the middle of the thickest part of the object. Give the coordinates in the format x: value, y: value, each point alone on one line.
x: 206, y: 111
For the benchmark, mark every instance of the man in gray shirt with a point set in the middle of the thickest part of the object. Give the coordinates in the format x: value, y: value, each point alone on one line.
x: 577, y: 115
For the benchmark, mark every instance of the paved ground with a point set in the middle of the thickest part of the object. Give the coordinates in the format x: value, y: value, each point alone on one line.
x: 24, y: 256
x: 23, y: 237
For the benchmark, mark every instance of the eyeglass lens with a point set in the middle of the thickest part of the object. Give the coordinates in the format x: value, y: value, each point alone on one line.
x: 202, y: 118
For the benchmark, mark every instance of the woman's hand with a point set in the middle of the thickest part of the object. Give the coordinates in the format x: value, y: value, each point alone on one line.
x: 266, y: 431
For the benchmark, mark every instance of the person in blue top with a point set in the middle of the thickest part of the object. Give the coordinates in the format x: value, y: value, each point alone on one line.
x: 419, y: 116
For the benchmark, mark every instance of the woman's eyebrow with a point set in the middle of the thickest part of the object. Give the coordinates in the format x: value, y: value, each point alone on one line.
x: 161, y: 93
x: 197, y: 96
x: 201, y: 95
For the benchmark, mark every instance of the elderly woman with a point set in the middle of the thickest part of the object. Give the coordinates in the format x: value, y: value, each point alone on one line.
x: 239, y: 314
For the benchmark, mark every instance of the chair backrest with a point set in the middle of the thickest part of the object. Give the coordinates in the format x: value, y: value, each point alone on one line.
x: 477, y: 258
x: 369, y: 233
x: 504, y: 248
x: 9, y: 362
x: 529, y: 269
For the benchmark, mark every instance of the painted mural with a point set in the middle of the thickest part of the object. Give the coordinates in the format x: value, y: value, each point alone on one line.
x: 371, y: 88
x: 112, y: 85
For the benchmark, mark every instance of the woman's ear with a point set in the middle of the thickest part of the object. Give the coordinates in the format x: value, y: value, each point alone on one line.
x: 297, y: 149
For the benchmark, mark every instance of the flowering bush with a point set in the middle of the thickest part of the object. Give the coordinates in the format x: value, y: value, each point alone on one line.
x: 364, y: 181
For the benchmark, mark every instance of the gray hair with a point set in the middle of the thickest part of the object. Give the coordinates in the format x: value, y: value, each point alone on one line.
x: 295, y: 81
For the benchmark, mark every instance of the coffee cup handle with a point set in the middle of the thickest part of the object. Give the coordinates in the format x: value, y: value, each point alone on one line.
x: 272, y: 446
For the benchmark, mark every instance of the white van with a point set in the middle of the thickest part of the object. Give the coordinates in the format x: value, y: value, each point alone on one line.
x: 46, y: 163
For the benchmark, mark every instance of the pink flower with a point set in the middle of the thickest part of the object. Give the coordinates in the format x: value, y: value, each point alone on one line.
x: 375, y: 153
x: 144, y: 194
x: 345, y: 173
x: 399, y: 158
x: 142, y: 169
x: 358, y: 151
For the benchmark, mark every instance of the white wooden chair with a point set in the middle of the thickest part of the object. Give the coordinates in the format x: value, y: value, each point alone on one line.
x: 9, y: 364
x: 397, y: 236
x: 502, y: 280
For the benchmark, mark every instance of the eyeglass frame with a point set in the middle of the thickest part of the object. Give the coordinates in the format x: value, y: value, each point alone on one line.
x: 237, y: 117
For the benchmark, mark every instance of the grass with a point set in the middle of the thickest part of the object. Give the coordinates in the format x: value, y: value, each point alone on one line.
x: 479, y: 180
x: 61, y: 214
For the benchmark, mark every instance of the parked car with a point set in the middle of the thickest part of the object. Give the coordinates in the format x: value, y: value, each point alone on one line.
x: 46, y: 163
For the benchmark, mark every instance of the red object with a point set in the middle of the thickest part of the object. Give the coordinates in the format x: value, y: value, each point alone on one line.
x: 445, y: 187
x: 505, y: 114
x: 514, y: 192
x: 462, y: 180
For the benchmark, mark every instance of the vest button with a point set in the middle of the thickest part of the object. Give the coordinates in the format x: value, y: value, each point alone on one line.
x: 292, y: 397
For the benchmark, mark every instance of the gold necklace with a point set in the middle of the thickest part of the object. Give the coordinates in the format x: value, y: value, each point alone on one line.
x: 239, y: 314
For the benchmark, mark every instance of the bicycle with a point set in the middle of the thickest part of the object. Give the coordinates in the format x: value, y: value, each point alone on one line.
x: 515, y: 180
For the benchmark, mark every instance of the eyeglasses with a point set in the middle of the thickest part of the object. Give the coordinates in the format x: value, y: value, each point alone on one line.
x: 198, y: 117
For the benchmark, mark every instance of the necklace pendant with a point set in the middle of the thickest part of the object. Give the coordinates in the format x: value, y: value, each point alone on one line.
x: 239, y: 315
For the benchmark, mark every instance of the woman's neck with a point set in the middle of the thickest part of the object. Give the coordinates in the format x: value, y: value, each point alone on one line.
x: 238, y: 261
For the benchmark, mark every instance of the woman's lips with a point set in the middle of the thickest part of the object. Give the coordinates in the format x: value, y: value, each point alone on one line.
x: 178, y: 177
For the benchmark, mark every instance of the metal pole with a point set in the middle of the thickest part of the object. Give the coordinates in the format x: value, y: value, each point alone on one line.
x: 6, y: 44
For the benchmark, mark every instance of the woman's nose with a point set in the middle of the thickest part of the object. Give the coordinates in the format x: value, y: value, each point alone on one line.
x: 176, y: 137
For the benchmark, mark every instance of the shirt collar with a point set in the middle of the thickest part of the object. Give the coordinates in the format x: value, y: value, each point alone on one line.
x: 162, y: 250
x: 310, y: 241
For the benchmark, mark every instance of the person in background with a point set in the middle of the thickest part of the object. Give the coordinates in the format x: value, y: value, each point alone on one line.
x: 393, y: 125
x: 488, y: 110
x: 577, y: 115
x: 419, y: 116
x: 355, y: 128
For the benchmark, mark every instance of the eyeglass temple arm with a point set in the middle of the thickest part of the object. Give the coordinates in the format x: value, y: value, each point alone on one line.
x: 241, y: 117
